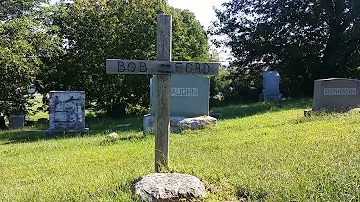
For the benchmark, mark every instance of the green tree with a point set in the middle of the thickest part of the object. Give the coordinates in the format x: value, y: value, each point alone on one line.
x: 10, y: 9
x: 25, y: 42
x: 190, y: 39
x: 96, y: 30
x: 303, y: 40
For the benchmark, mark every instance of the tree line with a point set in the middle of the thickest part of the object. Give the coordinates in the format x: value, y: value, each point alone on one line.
x: 303, y: 40
x: 65, y: 46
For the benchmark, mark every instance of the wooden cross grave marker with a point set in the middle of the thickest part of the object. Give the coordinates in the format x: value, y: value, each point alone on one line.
x: 163, y: 67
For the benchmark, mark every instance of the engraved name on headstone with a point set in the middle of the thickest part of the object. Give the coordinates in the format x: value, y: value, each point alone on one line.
x: 340, y: 91
x: 189, y: 96
x: 184, y: 92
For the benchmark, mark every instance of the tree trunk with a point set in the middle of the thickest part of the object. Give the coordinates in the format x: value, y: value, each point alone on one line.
x: 2, y: 123
x: 329, y: 61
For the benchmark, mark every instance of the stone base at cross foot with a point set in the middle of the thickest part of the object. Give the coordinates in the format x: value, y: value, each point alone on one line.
x: 178, y: 124
x: 166, y: 187
x: 51, y: 132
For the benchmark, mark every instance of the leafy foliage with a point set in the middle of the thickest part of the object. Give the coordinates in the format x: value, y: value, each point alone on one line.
x: 11, y: 9
x: 219, y: 87
x: 303, y: 40
x: 96, y: 30
x: 25, y: 42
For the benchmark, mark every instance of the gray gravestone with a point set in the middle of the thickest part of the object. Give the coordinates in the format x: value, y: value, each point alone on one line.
x: 271, y: 89
x: 66, y: 112
x: 336, y: 94
x: 189, y: 96
x: 16, y: 121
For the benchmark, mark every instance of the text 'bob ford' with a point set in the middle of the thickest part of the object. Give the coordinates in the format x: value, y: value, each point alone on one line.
x: 160, y: 67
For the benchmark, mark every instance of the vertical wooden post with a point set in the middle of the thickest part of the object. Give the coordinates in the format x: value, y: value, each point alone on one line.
x: 163, y: 87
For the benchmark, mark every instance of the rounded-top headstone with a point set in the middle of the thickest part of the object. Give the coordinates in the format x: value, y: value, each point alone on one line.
x: 166, y: 187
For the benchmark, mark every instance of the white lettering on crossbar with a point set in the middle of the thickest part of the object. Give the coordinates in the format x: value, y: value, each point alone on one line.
x: 340, y: 91
x: 184, y: 92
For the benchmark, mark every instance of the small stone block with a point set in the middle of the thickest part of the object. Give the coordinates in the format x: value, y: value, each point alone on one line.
x: 178, y: 124
x: 195, y: 123
x: 307, y: 113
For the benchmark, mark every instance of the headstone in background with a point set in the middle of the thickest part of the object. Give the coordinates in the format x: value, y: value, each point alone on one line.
x: 336, y: 94
x: 16, y: 121
x: 66, y: 112
x: 189, y: 96
x: 31, y: 91
x: 271, y: 88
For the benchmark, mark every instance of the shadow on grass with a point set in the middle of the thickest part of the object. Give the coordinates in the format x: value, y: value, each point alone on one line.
x: 97, y: 126
x: 108, y: 125
x: 104, y: 126
x: 244, y: 110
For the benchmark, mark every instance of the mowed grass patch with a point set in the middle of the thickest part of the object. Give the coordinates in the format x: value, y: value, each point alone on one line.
x: 277, y: 156
x: 270, y: 154
x: 73, y: 169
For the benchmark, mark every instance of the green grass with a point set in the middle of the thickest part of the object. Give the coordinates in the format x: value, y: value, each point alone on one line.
x: 258, y: 152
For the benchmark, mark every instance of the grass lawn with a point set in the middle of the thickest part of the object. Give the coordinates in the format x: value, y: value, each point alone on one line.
x: 257, y: 152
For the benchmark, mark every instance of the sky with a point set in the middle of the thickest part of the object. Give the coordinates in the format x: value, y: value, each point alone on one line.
x: 203, y: 10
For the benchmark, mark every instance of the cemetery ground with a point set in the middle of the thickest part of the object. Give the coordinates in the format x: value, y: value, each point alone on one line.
x: 257, y: 152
